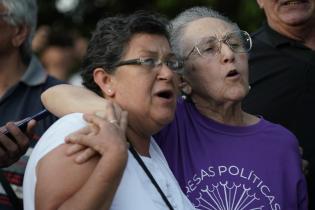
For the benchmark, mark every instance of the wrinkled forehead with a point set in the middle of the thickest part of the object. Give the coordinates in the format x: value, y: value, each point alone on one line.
x: 205, y: 27
x: 143, y: 44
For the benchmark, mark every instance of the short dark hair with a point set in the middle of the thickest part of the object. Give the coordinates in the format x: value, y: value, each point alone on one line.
x: 111, y: 38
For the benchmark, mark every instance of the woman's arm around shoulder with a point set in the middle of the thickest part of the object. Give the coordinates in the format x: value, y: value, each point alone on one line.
x: 65, y: 99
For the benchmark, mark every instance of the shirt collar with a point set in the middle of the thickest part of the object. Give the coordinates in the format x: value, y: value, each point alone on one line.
x: 35, y: 74
x: 278, y: 40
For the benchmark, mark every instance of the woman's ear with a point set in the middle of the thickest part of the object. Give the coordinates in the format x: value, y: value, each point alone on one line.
x: 184, y: 86
x: 21, y: 34
x: 105, y: 81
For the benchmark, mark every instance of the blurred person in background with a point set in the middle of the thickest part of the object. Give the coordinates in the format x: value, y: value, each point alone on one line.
x: 282, y: 73
x: 40, y: 39
x: 58, y: 55
x: 22, y: 80
x: 80, y: 47
x: 61, y: 51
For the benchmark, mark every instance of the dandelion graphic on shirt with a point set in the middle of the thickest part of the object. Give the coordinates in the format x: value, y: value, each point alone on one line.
x: 230, y: 188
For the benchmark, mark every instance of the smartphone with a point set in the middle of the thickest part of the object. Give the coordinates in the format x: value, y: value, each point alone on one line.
x: 22, y: 124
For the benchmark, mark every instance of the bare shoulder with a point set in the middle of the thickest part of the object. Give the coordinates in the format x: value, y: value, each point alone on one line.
x: 59, y: 177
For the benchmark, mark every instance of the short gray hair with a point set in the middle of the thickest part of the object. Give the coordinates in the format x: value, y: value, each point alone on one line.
x: 180, y: 22
x: 22, y: 12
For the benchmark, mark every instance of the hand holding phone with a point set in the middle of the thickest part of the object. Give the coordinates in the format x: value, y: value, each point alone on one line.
x: 22, y: 124
x: 13, y: 146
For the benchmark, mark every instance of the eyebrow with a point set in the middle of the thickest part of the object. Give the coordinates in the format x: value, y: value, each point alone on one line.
x: 207, y: 38
x: 212, y: 36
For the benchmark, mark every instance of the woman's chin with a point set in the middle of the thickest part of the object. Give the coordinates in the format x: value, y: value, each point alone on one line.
x: 237, y: 94
x: 165, y: 118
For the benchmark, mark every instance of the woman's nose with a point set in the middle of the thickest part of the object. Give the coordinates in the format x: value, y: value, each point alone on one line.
x: 226, y: 53
x: 165, y: 73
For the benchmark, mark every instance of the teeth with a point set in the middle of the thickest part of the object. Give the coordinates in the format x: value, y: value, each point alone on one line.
x: 293, y: 2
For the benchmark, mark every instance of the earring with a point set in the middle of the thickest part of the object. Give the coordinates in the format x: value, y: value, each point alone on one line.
x: 186, y: 90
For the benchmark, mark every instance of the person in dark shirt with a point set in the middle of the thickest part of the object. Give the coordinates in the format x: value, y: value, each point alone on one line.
x: 282, y: 73
x: 22, y: 80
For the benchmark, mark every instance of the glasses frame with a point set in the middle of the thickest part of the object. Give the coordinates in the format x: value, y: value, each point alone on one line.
x: 142, y: 61
x: 223, y: 40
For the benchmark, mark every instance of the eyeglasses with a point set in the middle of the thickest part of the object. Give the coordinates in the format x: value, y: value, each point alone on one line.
x: 153, y: 63
x: 238, y: 42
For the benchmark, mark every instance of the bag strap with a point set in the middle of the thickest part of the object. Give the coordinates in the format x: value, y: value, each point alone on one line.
x: 15, y: 201
x: 148, y: 173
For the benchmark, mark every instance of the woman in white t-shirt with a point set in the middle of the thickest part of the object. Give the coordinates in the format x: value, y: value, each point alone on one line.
x: 129, y: 62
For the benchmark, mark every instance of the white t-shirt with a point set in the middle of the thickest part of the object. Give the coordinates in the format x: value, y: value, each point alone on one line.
x: 135, y: 191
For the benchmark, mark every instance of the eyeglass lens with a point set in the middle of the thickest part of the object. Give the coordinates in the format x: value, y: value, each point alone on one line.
x: 172, y: 63
x: 239, y: 41
x: 152, y: 63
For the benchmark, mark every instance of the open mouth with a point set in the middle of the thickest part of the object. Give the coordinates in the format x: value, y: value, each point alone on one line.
x: 167, y: 94
x: 232, y: 73
x: 294, y: 2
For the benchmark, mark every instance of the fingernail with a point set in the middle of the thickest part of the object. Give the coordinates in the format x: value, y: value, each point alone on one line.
x: 101, y: 114
x: 69, y: 139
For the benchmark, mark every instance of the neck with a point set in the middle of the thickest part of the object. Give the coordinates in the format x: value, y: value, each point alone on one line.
x: 139, y: 141
x: 303, y: 33
x: 12, y: 69
x: 229, y: 113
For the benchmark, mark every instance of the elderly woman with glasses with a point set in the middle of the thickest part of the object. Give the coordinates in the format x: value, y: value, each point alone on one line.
x: 223, y: 157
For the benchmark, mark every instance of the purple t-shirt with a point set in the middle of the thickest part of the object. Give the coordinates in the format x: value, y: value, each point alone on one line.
x: 230, y: 167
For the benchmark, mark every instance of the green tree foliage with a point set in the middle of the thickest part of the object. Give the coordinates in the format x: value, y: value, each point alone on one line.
x: 84, y: 17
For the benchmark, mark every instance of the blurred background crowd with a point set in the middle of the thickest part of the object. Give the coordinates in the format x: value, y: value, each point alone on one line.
x: 64, y: 26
